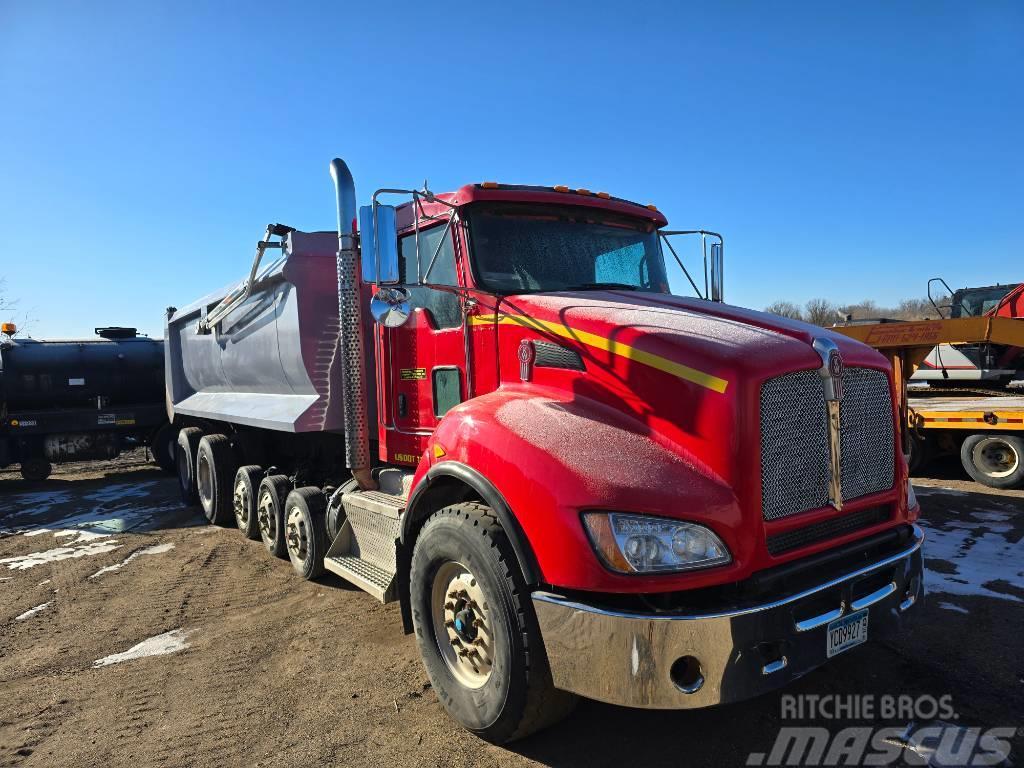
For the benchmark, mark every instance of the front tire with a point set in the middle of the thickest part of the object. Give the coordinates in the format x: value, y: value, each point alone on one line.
x: 305, y: 531
x: 215, y: 473
x: 476, y: 628
x: 994, y: 460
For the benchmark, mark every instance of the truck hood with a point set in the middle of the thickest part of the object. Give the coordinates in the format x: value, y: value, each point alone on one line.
x: 727, y: 343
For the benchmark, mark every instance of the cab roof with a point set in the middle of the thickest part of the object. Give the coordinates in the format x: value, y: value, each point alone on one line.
x: 522, y: 193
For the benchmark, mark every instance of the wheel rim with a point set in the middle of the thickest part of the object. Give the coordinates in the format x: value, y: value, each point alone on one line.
x: 995, y: 457
x: 241, y: 504
x: 460, y: 615
x: 266, y: 517
x: 297, y: 534
x: 204, y: 473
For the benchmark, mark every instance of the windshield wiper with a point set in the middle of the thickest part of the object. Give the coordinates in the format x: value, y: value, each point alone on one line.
x: 601, y: 286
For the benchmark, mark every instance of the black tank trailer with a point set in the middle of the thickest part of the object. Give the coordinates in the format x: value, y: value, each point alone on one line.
x: 71, y: 400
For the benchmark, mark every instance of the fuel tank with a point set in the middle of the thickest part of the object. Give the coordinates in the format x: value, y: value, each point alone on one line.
x: 38, y: 375
x: 272, y: 362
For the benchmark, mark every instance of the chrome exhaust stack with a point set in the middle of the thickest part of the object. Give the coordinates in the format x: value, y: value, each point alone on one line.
x: 353, y: 359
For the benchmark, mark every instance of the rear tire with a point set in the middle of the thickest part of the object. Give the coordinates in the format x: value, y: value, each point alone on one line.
x: 215, y: 474
x: 270, y: 513
x: 467, y: 594
x: 243, y: 500
x: 162, y: 446
x: 36, y: 470
x: 306, y: 531
x: 994, y: 460
x: 185, y: 458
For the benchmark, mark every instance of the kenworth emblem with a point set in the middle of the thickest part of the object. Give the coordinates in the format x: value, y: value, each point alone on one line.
x: 832, y: 379
x: 527, y: 354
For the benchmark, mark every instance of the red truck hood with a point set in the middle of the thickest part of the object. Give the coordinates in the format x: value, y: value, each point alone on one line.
x: 687, y: 372
x: 726, y: 342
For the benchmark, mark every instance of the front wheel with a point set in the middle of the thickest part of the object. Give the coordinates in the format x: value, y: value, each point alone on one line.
x: 994, y: 460
x: 476, y: 628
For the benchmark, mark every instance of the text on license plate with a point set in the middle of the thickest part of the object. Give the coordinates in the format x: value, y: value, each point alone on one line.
x: 847, y: 632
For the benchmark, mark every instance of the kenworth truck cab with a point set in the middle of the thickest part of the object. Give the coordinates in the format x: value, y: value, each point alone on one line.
x: 490, y: 408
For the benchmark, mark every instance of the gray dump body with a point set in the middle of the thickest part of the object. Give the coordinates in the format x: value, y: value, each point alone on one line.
x: 272, y: 362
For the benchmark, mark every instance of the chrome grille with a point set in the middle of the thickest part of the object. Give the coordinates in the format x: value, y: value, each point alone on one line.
x: 795, y: 462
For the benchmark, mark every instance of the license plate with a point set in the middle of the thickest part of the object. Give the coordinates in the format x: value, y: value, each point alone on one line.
x: 847, y: 632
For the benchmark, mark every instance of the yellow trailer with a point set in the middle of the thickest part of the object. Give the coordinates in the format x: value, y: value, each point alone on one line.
x: 986, y: 430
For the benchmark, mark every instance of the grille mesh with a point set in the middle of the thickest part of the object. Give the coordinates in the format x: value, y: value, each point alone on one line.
x: 866, y: 436
x: 795, y: 463
x: 827, y: 529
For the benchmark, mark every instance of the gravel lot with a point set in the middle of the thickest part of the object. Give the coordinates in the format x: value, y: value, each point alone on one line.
x: 261, y: 668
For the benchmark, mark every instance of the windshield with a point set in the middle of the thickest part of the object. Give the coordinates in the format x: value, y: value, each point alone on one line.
x: 524, y: 248
x: 972, y: 302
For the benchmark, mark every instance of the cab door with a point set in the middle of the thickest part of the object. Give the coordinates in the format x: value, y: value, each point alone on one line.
x: 425, y: 357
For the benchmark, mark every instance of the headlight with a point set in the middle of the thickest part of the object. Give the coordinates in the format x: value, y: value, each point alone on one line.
x: 643, y: 544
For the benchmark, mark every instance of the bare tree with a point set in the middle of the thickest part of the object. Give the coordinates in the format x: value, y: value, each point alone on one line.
x: 821, y: 312
x: 8, y: 307
x: 920, y: 309
x: 785, y: 309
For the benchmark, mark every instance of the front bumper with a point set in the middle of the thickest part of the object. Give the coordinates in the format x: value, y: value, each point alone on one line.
x: 633, y: 659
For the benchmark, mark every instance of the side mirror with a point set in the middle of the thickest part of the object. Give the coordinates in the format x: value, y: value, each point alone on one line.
x: 717, y: 273
x: 378, y: 234
x: 390, y: 307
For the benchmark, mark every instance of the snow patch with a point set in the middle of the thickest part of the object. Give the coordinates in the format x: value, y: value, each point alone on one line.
x: 922, y: 490
x: 114, y: 509
x: 35, y: 504
x: 88, y: 549
x: 953, y: 607
x: 980, y: 553
x: 157, y: 549
x: 161, y: 645
x: 32, y: 612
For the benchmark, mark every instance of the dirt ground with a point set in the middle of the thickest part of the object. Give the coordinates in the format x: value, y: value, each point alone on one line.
x: 267, y: 670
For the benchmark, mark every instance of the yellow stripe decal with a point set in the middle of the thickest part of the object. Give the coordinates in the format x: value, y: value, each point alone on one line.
x: 671, y: 367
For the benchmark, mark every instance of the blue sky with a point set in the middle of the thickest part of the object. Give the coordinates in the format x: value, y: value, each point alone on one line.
x: 846, y: 150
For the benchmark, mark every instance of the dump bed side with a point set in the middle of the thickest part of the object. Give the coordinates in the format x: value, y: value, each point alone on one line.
x: 272, y: 362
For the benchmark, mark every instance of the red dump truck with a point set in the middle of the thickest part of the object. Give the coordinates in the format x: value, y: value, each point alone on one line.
x: 487, y: 406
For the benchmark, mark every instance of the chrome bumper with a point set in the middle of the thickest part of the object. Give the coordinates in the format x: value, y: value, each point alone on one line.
x: 633, y: 659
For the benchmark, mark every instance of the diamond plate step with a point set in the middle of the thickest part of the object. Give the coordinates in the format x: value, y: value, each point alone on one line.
x: 367, y: 576
x: 377, y: 502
